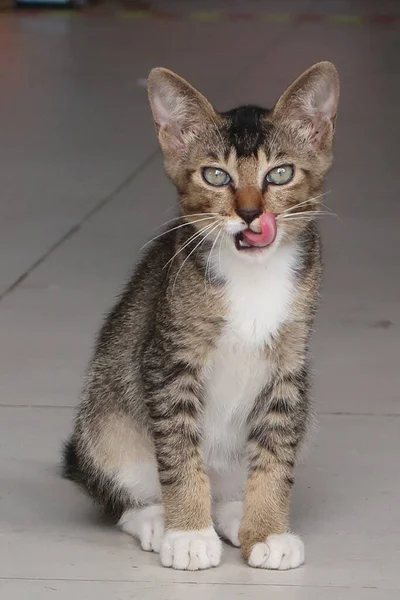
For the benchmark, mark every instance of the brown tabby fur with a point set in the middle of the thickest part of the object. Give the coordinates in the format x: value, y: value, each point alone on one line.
x: 144, y: 388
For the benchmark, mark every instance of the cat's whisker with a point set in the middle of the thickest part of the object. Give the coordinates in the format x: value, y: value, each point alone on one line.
x: 219, y: 251
x: 276, y: 133
x: 309, y: 213
x: 209, y: 256
x: 215, y: 225
x: 203, y: 214
x: 174, y: 228
x: 174, y: 206
x: 307, y: 202
x: 217, y: 129
x: 308, y: 216
x: 190, y: 240
x: 186, y: 216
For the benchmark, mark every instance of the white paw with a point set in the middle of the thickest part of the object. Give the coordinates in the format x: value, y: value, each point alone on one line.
x: 146, y: 524
x: 227, y: 518
x: 280, y: 551
x: 191, y: 550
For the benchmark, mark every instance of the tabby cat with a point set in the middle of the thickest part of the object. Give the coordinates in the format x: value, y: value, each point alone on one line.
x: 196, y: 400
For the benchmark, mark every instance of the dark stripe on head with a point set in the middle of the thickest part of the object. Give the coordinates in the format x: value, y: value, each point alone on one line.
x: 246, y: 129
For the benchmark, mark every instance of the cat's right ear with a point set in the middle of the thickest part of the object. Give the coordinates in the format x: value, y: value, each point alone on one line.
x: 179, y: 110
x: 311, y: 104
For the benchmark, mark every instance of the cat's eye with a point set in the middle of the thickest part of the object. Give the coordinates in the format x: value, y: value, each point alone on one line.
x: 280, y: 175
x: 215, y: 176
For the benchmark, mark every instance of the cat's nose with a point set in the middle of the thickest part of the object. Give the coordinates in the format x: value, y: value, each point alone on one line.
x: 248, y: 214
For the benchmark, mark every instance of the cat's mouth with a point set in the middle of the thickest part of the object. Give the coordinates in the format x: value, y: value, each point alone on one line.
x: 260, y: 234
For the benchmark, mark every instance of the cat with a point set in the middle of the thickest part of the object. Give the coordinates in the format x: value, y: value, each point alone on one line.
x: 196, y: 400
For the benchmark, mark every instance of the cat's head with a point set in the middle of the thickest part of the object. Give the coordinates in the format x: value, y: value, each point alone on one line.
x: 243, y: 172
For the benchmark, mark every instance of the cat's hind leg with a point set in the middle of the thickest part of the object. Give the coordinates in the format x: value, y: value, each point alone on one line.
x: 115, y: 464
x: 227, y: 491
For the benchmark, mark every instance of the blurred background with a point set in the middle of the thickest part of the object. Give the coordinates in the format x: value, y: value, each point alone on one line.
x: 82, y: 189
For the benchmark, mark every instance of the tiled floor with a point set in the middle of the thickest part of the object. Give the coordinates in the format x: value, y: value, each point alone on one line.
x: 82, y: 189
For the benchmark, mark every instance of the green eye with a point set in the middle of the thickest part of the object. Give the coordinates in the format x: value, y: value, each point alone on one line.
x: 280, y: 175
x: 215, y: 176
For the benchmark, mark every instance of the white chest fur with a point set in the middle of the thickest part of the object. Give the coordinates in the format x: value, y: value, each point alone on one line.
x: 259, y: 298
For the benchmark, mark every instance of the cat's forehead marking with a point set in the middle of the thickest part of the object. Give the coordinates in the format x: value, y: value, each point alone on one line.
x: 246, y: 129
x: 252, y: 169
x: 247, y: 170
x: 232, y: 160
x: 262, y: 159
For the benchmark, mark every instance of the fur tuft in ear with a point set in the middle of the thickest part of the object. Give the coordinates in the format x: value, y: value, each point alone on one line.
x: 179, y: 110
x: 311, y: 101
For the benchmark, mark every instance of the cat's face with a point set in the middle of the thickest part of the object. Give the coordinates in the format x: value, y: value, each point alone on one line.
x: 246, y: 175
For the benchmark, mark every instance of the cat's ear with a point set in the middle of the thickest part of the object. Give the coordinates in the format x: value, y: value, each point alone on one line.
x: 311, y: 103
x: 179, y: 110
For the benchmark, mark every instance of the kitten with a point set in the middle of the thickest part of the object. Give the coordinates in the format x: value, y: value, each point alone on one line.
x: 196, y: 399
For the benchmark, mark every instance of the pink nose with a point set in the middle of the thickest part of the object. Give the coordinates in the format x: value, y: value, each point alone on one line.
x: 268, y: 231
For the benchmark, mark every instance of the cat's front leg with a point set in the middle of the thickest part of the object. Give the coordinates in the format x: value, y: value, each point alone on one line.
x: 277, y: 426
x: 190, y: 541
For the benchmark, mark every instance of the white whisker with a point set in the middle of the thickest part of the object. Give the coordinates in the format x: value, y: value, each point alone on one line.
x: 173, y: 207
x: 223, y: 239
x: 191, y: 252
x: 174, y: 228
x: 306, y: 202
x: 308, y: 216
x: 276, y: 134
x: 187, y: 216
x: 217, y: 129
x: 190, y: 240
x: 309, y: 213
x: 209, y: 257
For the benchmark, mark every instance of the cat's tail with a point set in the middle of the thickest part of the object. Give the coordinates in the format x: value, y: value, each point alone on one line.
x: 112, y: 498
x: 70, y: 463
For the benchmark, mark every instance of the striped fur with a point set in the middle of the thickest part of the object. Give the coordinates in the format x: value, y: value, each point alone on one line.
x: 200, y: 376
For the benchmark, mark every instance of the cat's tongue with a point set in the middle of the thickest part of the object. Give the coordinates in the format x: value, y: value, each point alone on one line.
x: 267, y: 233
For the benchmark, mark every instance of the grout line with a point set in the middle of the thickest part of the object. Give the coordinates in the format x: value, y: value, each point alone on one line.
x: 321, y: 414
x: 41, y: 406
x: 212, y: 16
x: 354, y: 414
x: 75, y: 228
x: 205, y: 583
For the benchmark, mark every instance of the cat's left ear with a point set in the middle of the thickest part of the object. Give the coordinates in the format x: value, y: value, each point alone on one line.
x: 179, y: 110
x: 311, y: 103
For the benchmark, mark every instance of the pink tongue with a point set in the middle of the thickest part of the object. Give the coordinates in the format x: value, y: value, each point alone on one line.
x: 268, y: 231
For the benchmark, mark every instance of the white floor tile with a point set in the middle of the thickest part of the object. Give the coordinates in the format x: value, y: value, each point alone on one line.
x: 344, y: 505
x: 89, y: 590
x: 75, y: 131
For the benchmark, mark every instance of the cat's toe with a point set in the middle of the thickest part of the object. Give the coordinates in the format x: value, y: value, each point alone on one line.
x: 191, y: 550
x: 280, y: 551
x: 146, y: 524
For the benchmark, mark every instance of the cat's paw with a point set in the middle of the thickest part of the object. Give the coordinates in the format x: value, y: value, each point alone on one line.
x: 227, y: 517
x: 146, y: 524
x: 280, y: 551
x: 191, y: 550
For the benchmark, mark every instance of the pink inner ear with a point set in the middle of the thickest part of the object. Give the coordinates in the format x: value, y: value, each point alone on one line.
x: 171, y: 136
x: 321, y: 126
x: 327, y: 104
x: 161, y: 115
